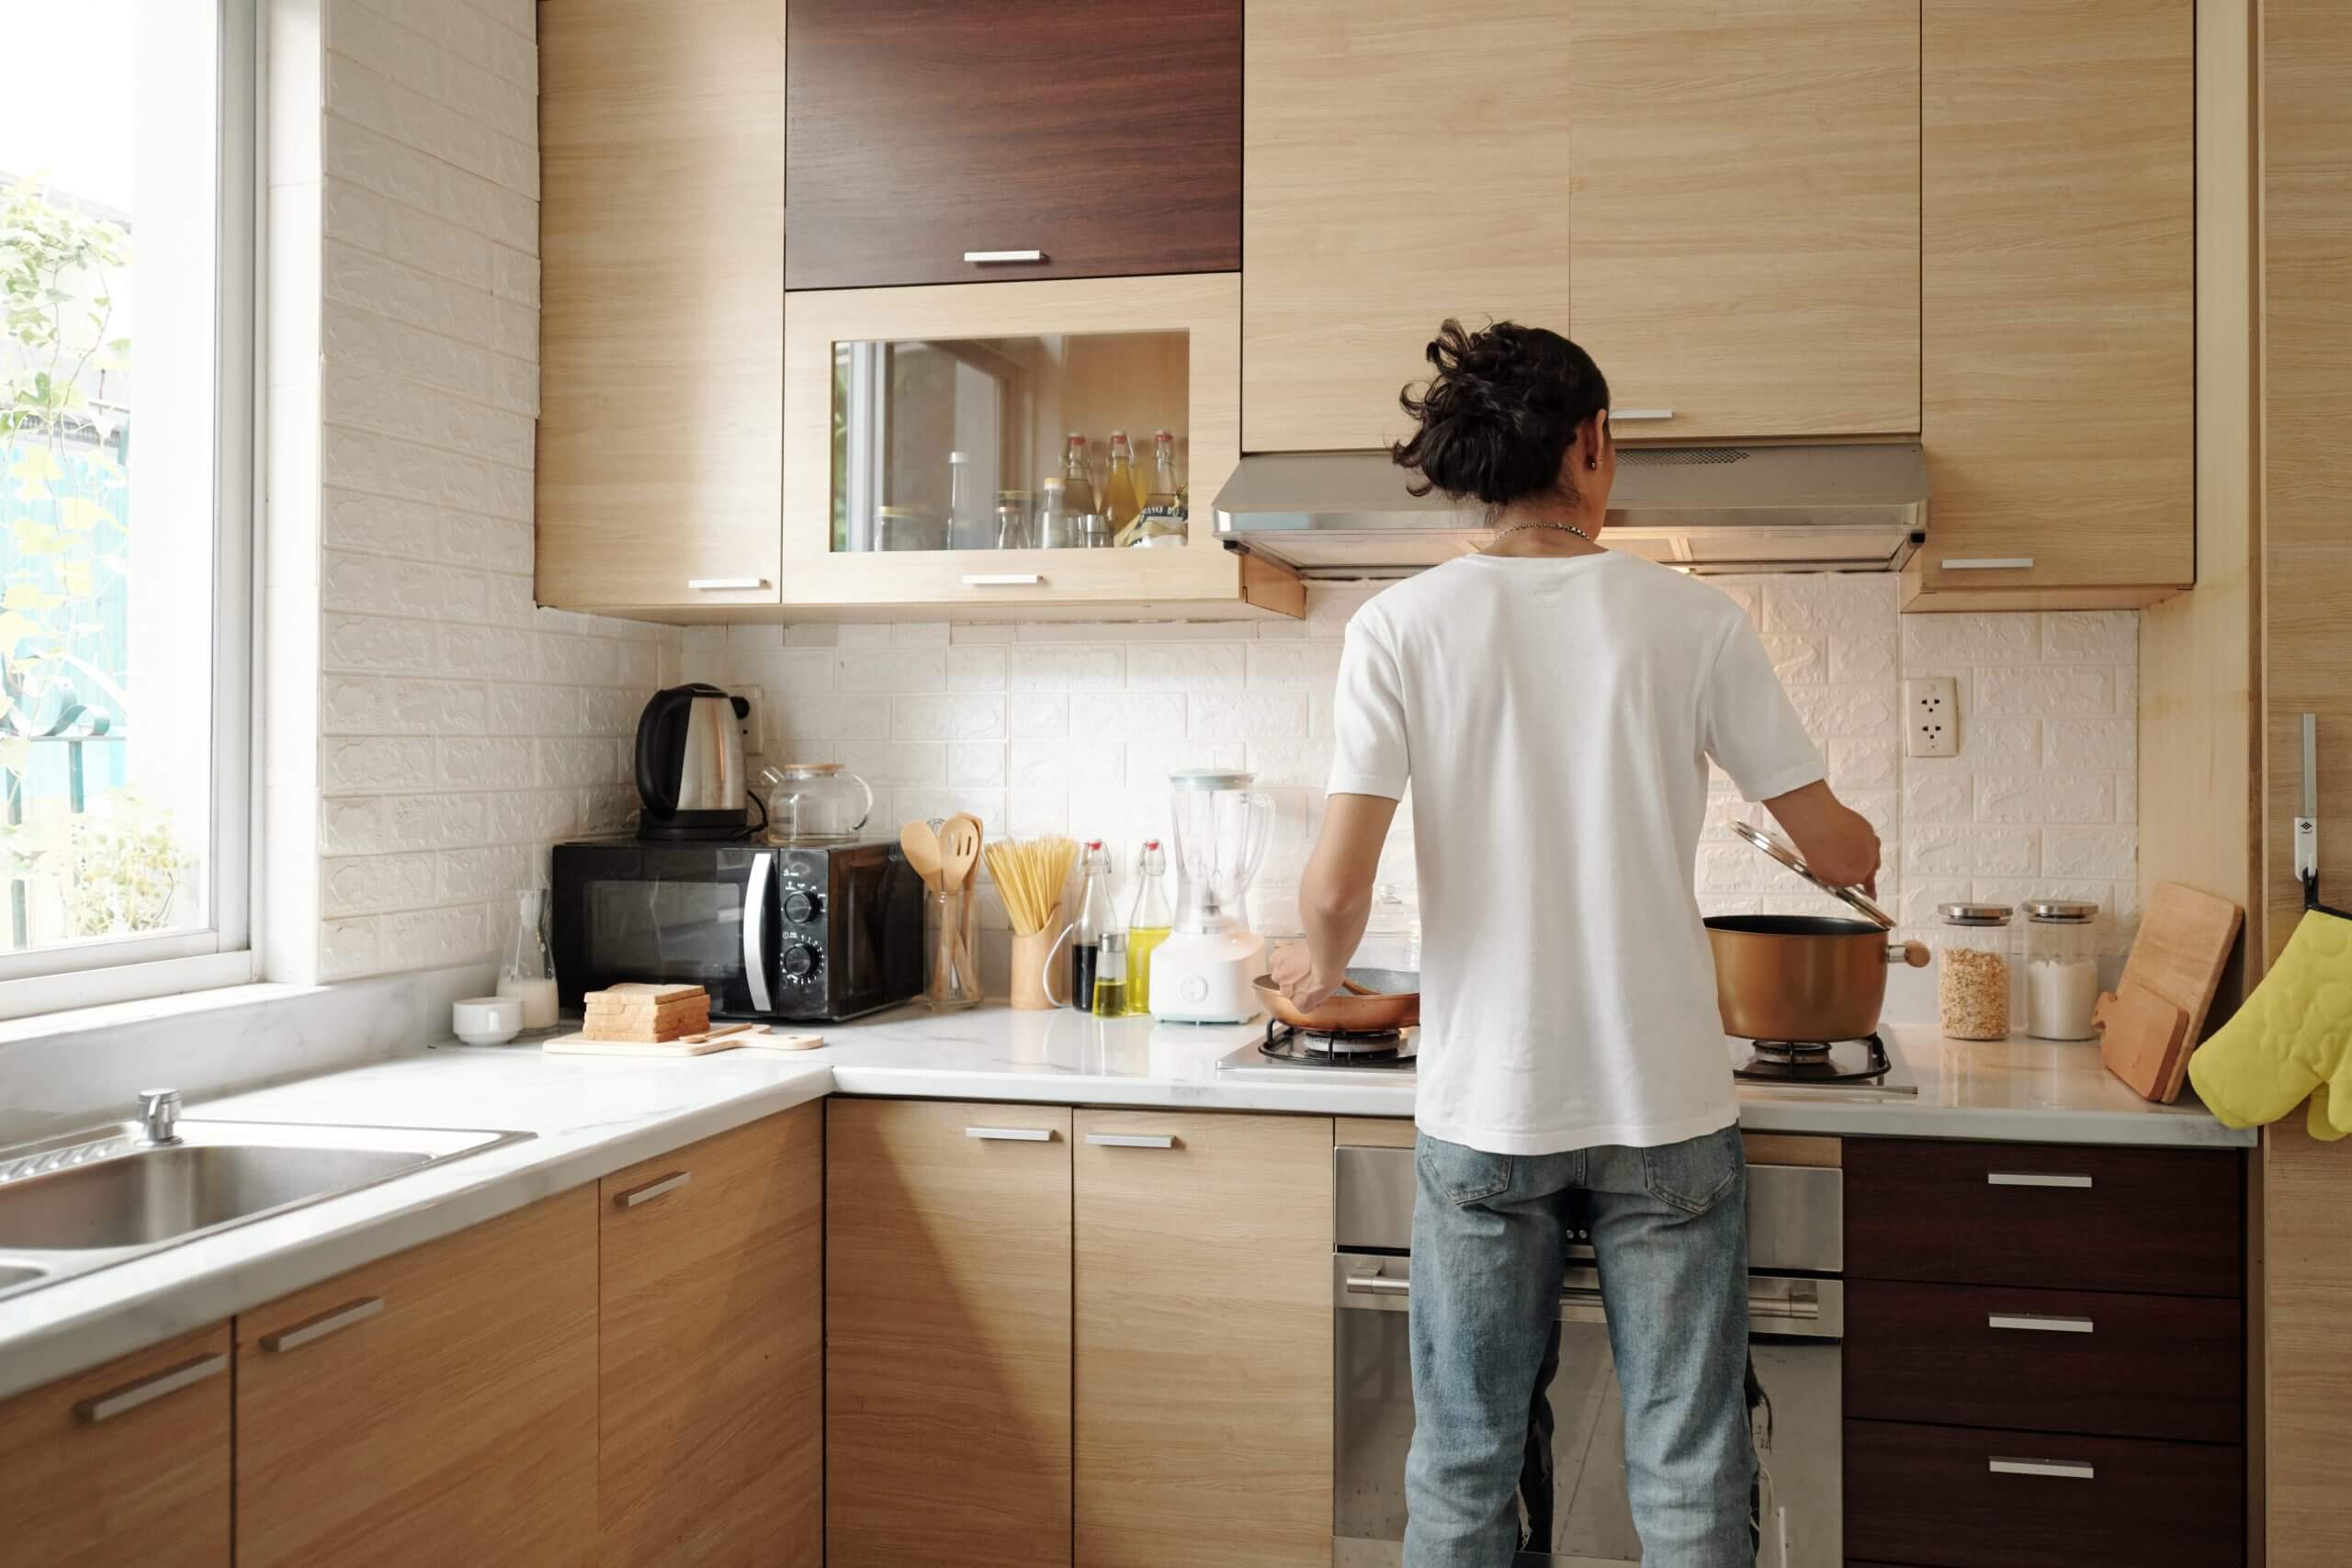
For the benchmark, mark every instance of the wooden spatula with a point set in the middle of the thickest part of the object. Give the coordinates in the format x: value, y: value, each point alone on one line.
x: 922, y: 851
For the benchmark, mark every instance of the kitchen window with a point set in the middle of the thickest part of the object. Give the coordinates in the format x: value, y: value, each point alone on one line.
x: 127, y: 277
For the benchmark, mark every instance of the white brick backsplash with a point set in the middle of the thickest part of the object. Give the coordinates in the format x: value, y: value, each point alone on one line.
x: 444, y: 774
x: 2104, y: 636
x: 2109, y: 853
x: 1798, y: 660
x: 377, y: 765
x: 890, y: 669
x: 1861, y: 658
x: 1832, y: 711
x: 2046, y: 797
x: 1240, y: 716
x: 1803, y: 606
x: 2046, y: 689
x: 817, y: 718
x: 1863, y: 763
x: 1058, y: 669
x: 1999, y: 743
x: 1314, y: 664
x: 1971, y: 639
x: 977, y: 670
x: 1301, y: 763
x: 960, y: 716
x: 1146, y: 716
x: 1037, y: 715
x: 1930, y: 850
x: 1150, y: 761
x: 976, y: 762
x: 888, y: 764
x: 1939, y: 794
x: 1187, y: 666
x: 1068, y: 764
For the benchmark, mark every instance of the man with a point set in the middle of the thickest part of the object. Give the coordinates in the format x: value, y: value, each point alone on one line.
x: 1555, y: 706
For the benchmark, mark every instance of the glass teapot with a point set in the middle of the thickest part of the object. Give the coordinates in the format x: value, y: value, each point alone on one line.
x: 815, y: 802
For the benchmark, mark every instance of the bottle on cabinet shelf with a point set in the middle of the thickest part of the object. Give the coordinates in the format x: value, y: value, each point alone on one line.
x: 1122, y: 492
x: 964, y: 526
x: 1077, y: 483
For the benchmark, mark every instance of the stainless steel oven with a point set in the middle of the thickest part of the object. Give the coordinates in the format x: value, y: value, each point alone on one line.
x: 1577, y: 1515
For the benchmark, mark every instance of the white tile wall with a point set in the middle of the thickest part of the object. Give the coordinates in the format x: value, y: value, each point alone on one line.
x: 459, y: 730
x: 1061, y: 727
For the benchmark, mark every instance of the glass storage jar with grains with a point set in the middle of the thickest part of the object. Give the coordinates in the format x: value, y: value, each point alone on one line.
x: 1973, y: 971
x: 2060, y: 969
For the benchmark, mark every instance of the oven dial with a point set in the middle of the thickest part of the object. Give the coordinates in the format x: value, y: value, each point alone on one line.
x: 801, y: 960
x: 800, y: 906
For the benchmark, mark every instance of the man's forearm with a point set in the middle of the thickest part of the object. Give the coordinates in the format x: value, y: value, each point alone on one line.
x: 1333, y: 920
x: 1335, y: 893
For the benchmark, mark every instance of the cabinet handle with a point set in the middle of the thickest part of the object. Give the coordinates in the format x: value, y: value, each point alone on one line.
x: 724, y: 584
x: 2062, y: 1469
x: 1004, y: 579
x: 2032, y: 1179
x: 326, y: 1323
x: 147, y: 1390
x: 1373, y: 1285
x: 654, y: 1189
x: 985, y: 258
x: 2041, y: 1323
x: 1132, y: 1139
x: 1616, y: 415
x: 1986, y: 563
x: 1013, y: 1135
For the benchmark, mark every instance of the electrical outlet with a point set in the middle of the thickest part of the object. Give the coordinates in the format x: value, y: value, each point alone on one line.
x: 1931, y: 716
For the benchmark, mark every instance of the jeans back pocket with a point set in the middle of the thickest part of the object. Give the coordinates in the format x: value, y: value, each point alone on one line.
x: 1697, y: 1173
x: 1459, y: 1174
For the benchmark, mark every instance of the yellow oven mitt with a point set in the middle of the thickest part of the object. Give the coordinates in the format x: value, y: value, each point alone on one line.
x: 2292, y: 1038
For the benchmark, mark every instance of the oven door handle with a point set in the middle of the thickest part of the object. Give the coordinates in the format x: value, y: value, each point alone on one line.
x: 755, y: 931
x: 1777, y: 1304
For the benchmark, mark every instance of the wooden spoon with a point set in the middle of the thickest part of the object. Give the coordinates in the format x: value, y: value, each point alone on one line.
x: 922, y: 851
x: 959, y: 850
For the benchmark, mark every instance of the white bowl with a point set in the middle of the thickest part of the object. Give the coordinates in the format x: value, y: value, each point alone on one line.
x: 487, y: 1020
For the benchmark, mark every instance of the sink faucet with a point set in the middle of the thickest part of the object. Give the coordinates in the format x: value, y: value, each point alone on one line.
x: 159, y: 1115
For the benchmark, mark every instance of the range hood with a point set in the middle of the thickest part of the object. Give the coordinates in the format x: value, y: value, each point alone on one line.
x: 1712, y: 511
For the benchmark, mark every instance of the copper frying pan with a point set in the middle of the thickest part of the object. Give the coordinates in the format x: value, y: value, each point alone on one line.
x: 1388, y: 998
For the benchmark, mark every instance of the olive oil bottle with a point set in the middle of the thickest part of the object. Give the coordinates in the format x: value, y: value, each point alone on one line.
x: 1148, y: 922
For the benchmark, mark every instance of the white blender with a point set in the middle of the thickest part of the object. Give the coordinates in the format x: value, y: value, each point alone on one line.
x: 1202, y: 973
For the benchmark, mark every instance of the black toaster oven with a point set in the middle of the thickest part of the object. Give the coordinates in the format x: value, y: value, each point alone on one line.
x: 799, y: 932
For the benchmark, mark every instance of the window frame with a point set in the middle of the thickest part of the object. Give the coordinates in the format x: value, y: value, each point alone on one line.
x: 223, y: 950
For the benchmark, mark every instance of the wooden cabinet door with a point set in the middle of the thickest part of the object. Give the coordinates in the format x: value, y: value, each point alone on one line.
x: 438, y: 1406
x: 1395, y: 174
x: 127, y: 1463
x: 1204, y: 1339
x: 947, y: 1344
x: 1744, y: 213
x: 1106, y: 139
x: 661, y: 317
x: 2059, y: 276
x: 710, y: 1351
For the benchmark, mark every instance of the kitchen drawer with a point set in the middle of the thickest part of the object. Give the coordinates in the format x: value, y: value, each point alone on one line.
x: 2126, y: 1366
x: 2160, y: 1221
x: 1931, y: 1496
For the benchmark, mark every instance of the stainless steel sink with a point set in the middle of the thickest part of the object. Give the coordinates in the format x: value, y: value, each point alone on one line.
x: 74, y: 1204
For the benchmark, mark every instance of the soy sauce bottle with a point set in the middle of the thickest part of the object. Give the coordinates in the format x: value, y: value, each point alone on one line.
x: 1094, y: 918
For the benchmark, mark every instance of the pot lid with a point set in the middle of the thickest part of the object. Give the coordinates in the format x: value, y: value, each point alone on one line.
x: 1780, y: 849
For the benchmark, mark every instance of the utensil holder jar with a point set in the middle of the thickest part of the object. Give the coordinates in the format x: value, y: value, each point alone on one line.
x: 951, y: 949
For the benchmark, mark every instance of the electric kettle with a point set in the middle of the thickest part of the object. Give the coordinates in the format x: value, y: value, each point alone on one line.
x: 690, y: 764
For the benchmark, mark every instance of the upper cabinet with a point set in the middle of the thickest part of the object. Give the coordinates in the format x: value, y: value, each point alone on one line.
x: 1024, y: 139
x: 928, y: 433
x: 662, y: 325
x: 1398, y: 172
x: 1743, y: 213
x: 2060, y: 419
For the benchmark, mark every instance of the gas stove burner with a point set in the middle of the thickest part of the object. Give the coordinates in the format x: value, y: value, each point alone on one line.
x: 1801, y: 1062
x: 1336, y: 1048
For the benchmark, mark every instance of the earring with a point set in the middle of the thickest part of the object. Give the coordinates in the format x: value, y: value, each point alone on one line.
x: 1592, y: 462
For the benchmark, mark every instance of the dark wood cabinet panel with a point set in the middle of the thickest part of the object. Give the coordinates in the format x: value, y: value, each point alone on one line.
x: 1931, y: 1496
x: 1107, y: 136
x: 2167, y: 1222
x: 2046, y: 1360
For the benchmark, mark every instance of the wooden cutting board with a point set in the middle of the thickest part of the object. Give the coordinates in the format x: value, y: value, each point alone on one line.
x: 2184, y: 941
x: 2144, y: 1040
x: 581, y: 1046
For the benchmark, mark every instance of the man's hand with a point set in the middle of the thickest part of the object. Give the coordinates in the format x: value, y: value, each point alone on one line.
x: 1294, y: 977
x: 1837, y: 843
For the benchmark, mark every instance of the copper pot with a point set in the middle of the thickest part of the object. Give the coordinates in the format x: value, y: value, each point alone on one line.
x: 1802, y: 978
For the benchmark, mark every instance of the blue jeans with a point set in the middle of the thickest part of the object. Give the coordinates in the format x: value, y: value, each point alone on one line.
x: 1669, y: 1234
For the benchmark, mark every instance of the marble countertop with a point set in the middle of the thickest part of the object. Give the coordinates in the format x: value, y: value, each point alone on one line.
x: 591, y: 1115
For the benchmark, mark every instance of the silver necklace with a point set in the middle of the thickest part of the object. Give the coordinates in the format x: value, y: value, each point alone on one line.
x: 1522, y: 527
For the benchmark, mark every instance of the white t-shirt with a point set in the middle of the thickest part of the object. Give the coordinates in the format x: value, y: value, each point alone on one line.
x: 1554, y: 715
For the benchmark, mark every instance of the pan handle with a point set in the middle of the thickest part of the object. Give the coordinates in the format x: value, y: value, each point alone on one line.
x: 1915, y: 954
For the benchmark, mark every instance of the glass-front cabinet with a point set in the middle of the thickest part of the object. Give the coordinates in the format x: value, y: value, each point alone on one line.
x: 1016, y: 444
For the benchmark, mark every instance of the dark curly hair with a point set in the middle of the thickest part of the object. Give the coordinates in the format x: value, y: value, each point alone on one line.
x: 1498, y: 417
